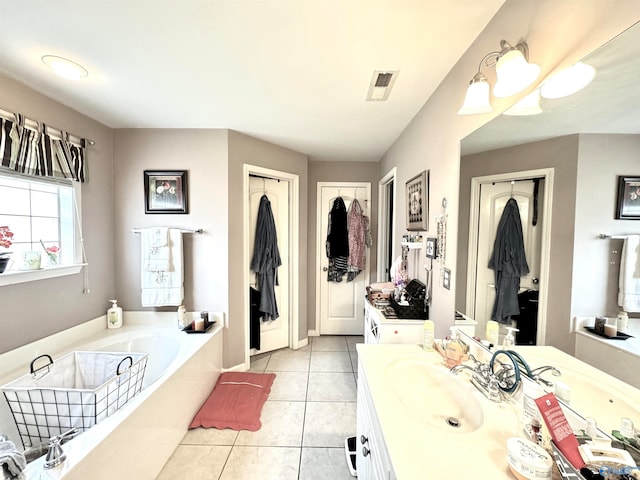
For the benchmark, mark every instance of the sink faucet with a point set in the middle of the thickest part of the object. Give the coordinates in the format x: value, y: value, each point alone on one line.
x: 537, y: 374
x: 483, y: 379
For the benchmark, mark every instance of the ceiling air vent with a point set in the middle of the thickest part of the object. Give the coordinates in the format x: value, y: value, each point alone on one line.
x: 381, y: 83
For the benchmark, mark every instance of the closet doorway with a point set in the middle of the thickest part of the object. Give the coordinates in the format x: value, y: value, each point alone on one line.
x: 489, y: 196
x: 280, y: 189
x: 339, y: 305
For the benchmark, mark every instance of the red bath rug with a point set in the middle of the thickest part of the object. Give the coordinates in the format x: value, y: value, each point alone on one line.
x: 235, y: 402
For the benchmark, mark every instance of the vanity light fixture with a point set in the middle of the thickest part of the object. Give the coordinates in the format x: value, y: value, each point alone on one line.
x: 514, y: 73
x: 568, y: 81
x: 65, y: 68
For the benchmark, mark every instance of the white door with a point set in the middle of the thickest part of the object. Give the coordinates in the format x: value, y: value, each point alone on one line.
x: 493, y: 198
x: 341, y: 304
x: 273, y: 334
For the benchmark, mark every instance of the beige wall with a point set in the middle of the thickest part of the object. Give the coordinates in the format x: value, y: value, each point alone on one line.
x: 561, y: 154
x: 244, y: 149
x: 595, y: 280
x: 33, y: 310
x: 203, y: 154
x: 337, y: 172
x: 558, y: 34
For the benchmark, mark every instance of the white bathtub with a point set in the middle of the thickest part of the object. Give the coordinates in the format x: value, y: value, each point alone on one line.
x: 136, y: 441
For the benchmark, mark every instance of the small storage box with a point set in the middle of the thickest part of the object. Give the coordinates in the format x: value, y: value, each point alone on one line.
x: 79, y: 390
x: 379, y: 291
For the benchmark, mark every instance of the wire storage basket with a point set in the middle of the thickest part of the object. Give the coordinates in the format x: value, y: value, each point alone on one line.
x: 79, y: 390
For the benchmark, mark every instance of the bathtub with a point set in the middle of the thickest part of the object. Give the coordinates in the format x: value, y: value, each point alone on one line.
x: 137, y: 440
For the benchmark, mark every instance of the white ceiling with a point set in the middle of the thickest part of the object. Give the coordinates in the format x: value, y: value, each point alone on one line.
x: 292, y: 72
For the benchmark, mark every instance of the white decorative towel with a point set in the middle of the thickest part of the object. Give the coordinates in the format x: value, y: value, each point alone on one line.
x: 156, y: 254
x: 629, y: 285
x: 164, y: 287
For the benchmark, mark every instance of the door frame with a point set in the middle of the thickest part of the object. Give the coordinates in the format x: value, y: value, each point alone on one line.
x: 293, y: 181
x: 474, y: 219
x: 383, y: 222
x: 321, y: 237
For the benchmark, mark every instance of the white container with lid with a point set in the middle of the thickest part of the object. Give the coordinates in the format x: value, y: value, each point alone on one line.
x: 622, y: 321
x: 528, y: 461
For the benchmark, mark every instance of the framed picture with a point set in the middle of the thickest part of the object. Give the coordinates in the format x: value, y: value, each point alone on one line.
x: 628, y: 198
x: 417, y: 202
x: 431, y: 248
x: 165, y: 191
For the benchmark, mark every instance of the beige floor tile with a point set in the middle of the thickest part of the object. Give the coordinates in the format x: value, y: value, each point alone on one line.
x: 330, y: 362
x: 331, y: 387
x: 290, y: 386
x: 354, y: 359
x: 327, y: 424
x: 352, y: 341
x: 289, y: 361
x: 264, y: 463
x: 329, y: 343
x: 195, y: 462
x: 259, y: 363
x: 282, y: 424
x: 319, y: 463
x: 209, y: 436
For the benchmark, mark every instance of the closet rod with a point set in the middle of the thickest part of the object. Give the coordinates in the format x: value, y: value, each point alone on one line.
x: 198, y: 230
x: 34, y: 124
x: 616, y: 237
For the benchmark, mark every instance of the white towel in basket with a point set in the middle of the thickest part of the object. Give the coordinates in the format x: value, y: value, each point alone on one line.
x: 164, y: 287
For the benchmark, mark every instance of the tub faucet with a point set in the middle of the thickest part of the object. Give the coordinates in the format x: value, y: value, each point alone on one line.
x: 55, y: 455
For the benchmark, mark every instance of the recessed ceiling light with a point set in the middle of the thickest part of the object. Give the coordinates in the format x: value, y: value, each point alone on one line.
x: 65, y: 68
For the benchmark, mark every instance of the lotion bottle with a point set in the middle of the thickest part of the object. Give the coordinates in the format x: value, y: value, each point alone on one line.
x: 428, y: 330
x: 510, y: 339
x: 114, y: 315
x: 492, y: 332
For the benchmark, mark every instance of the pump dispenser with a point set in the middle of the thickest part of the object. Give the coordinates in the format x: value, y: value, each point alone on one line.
x: 114, y: 315
x: 510, y: 339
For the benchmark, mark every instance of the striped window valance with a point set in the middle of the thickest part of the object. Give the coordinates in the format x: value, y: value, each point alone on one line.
x: 37, y: 153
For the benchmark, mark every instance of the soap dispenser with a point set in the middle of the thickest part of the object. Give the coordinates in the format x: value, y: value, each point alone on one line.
x: 114, y: 315
x: 510, y: 339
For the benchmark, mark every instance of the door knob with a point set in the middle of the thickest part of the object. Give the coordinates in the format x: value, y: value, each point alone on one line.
x: 535, y: 280
x: 324, y: 269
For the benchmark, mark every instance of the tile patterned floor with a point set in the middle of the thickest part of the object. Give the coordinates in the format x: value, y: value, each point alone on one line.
x: 309, y: 413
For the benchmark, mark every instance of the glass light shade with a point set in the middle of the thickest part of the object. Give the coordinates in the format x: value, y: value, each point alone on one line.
x: 529, y: 105
x: 64, y: 67
x: 477, y: 98
x: 568, y: 81
x: 514, y: 74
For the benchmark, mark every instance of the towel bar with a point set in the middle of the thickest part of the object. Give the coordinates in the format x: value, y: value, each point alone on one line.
x: 198, y: 230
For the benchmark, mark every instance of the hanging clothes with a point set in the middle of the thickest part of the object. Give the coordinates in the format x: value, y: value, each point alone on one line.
x: 509, y: 262
x: 359, y: 239
x: 337, y: 244
x: 266, y: 260
x: 254, y: 318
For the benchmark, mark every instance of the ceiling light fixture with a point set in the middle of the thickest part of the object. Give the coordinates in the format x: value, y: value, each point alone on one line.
x: 514, y: 73
x: 65, y: 68
x: 568, y: 81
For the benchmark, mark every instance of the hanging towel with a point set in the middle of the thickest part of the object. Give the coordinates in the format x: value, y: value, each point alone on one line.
x: 155, y: 249
x: 266, y: 260
x: 629, y: 285
x: 509, y: 262
x: 164, y: 287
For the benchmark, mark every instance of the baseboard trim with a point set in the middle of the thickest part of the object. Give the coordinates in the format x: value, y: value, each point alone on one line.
x: 313, y: 333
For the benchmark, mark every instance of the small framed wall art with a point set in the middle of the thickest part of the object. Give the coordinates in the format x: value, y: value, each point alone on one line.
x: 417, y: 202
x: 165, y: 191
x: 431, y: 247
x: 628, y: 207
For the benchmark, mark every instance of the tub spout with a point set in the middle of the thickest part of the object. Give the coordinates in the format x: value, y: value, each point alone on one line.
x: 537, y: 374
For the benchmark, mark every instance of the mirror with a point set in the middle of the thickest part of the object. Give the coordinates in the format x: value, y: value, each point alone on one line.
x: 579, y: 138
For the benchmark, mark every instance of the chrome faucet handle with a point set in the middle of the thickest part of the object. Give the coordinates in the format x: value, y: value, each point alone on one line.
x: 55, y: 455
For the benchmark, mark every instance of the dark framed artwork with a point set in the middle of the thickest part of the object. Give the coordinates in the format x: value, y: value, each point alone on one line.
x: 417, y: 202
x: 165, y: 191
x: 628, y: 207
x: 431, y: 247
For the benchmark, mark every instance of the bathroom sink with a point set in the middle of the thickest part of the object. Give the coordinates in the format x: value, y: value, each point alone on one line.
x: 432, y: 395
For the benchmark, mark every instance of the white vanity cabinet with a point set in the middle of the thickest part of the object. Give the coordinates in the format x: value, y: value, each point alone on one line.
x: 379, y: 329
x: 372, y: 459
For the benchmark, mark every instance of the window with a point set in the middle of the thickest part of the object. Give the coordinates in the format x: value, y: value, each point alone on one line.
x: 40, y: 211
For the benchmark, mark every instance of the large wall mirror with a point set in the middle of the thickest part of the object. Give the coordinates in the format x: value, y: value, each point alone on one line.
x: 565, y: 162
